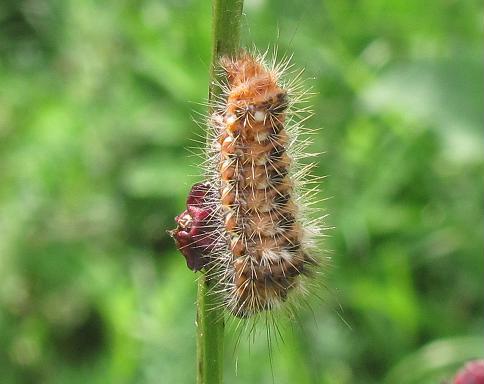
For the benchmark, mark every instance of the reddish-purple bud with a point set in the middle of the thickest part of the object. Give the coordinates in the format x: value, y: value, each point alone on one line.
x: 472, y: 373
x: 195, y: 235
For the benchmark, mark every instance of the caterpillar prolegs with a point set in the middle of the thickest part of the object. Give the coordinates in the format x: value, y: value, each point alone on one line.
x: 248, y: 224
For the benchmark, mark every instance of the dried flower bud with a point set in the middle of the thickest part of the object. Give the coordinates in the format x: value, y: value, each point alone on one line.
x: 195, y: 234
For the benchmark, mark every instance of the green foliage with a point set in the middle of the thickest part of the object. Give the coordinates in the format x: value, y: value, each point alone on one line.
x: 96, y: 100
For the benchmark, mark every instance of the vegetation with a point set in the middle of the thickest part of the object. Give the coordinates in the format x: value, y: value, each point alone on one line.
x: 96, y: 100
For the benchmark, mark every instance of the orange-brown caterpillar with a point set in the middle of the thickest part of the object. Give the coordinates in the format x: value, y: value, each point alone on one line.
x: 255, y: 198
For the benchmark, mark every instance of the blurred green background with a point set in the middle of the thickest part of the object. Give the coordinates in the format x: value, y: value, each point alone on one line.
x: 96, y: 106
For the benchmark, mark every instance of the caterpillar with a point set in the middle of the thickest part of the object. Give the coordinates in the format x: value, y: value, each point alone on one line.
x: 248, y: 224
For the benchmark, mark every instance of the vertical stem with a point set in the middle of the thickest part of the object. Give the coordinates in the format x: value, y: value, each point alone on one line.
x: 226, y: 16
x: 210, y: 335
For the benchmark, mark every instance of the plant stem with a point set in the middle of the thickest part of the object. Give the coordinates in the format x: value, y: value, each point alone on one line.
x: 210, y: 335
x: 226, y: 15
x: 210, y: 324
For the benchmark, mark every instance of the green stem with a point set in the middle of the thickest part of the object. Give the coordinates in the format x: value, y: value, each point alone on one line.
x: 210, y: 324
x: 226, y: 16
x: 210, y: 335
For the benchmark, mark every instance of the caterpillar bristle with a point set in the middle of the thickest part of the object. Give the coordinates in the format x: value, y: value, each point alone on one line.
x: 252, y: 164
x: 258, y: 244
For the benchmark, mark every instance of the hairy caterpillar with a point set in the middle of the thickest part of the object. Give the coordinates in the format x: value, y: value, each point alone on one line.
x: 247, y: 224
